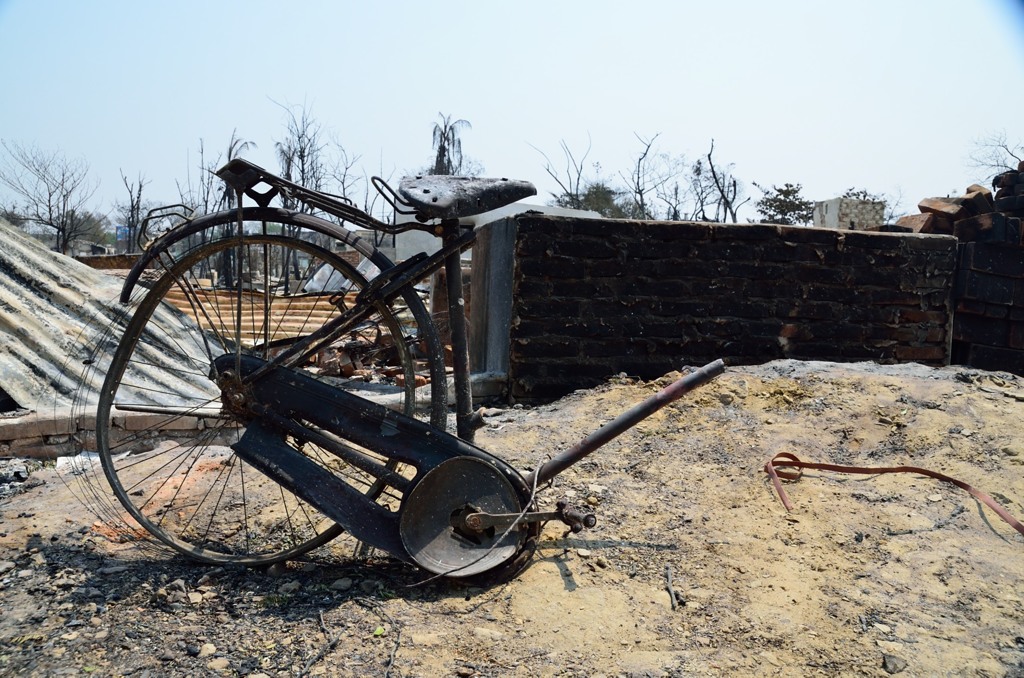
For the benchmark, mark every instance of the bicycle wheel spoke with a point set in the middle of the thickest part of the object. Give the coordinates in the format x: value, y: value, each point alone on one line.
x: 163, y: 430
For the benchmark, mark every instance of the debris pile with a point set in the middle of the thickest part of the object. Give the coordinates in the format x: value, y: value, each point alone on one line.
x: 988, y: 292
x: 978, y: 215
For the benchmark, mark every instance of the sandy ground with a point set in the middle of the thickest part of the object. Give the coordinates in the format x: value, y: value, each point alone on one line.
x: 869, y: 575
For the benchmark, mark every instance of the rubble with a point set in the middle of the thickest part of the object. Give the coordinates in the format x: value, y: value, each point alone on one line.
x: 988, y: 292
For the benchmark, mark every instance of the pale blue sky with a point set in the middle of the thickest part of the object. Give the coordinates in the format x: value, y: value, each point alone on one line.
x: 883, y: 95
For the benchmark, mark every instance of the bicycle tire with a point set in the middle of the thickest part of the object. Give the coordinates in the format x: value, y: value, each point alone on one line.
x: 193, y: 493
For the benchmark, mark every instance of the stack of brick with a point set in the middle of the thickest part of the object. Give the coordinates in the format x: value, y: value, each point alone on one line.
x: 988, y: 294
x: 975, y: 216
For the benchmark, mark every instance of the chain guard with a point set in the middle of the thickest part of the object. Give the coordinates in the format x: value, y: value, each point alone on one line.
x: 451, y: 474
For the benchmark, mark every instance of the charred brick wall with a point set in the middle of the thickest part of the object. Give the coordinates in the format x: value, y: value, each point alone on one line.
x: 988, y: 297
x: 593, y: 298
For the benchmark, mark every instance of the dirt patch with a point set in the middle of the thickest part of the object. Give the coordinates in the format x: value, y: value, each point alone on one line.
x: 869, y: 575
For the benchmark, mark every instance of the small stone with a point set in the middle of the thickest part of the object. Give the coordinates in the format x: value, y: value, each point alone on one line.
x: 934, y: 497
x: 602, y: 562
x: 195, y: 598
x: 113, y: 569
x: 218, y: 664
x: 893, y: 664
x: 593, y: 501
x: 583, y: 553
x: 726, y: 398
x: 343, y: 584
x: 485, y: 633
x: 884, y: 628
x: 289, y: 587
x: 207, y: 649
x: 277, y: 570
x: 6, y: 566
x: 210, y: 577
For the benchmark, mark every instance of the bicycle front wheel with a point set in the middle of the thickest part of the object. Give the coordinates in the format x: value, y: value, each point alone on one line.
x: 164, y: 440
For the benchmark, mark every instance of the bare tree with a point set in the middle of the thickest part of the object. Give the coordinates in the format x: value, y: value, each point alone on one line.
x: 53, y: 191
x: 648, y: 178
x: 702, y: 189
x: 447, y: 145
x: 11, y: 216
x: 301, y: 153
x: 130, y: 213
x: 673, y: 198
x: 208, y: 193
x: 343, y: 173
x: 995, y: 154
x: 727, y: 191
x: 572, y: 184
x: 205, y: 193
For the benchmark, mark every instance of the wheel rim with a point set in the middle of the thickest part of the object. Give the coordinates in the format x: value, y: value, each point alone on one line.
x: 191, y: 491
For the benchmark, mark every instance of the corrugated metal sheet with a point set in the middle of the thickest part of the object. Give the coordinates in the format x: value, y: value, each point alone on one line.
x: 59, y: 324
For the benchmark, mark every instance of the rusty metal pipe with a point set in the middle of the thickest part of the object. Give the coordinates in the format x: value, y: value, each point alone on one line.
x: 624, y: 422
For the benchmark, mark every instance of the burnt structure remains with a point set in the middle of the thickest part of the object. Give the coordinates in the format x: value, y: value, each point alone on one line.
x: 593, y: 298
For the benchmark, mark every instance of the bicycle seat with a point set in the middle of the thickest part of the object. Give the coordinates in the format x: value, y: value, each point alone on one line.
x: 450, y: 197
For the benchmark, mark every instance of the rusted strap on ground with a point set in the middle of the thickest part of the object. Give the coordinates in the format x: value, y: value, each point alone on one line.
x: 786, y: 460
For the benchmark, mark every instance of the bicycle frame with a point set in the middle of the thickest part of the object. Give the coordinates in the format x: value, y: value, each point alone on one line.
x: 462, y: 511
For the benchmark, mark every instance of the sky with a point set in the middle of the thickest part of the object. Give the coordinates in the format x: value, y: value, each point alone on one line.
x: 890, y: 96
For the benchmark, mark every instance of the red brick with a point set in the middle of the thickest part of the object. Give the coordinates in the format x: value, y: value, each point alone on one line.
x: 978, y: 202
x: 917, y: 223
x: 913, y: 315
x: 991, y: 226
x: 947, y: 207
x: 940, y: 226
x: 993, y: 258
x: 971, y: 306
x: 1016, y: 335
x: 927, y: 353
x: 977, y: 188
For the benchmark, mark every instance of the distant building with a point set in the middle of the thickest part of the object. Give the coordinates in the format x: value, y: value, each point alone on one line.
x: 849, y: 214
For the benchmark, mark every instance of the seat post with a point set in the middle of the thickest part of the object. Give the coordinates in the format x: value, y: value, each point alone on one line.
x: 464, y: 419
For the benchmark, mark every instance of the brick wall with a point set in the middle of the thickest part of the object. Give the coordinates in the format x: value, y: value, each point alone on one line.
x: 593, y: 298
x: 988, y: 329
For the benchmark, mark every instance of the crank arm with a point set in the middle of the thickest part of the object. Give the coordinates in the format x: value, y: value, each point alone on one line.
x: 576, y: 520
x: 478, y: 522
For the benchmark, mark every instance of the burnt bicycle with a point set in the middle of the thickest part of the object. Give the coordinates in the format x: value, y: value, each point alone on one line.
x: 314, y: 390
